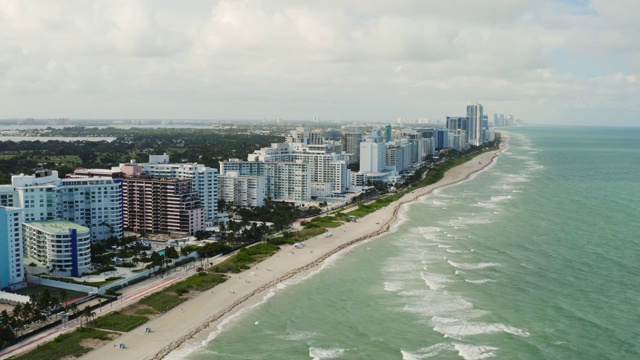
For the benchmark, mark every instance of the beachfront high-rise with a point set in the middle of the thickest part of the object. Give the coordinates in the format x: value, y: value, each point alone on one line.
x: 475, y: 117
x: 293, y: 168
x: 165, y: 206
x: 204, y: 180
x: 351, y: 144
x: 373, y: 155
x: 11, y: 249
x: 62, y: 246
x: 387, y: 133
x: 242, y: 190
x: 91, y: 202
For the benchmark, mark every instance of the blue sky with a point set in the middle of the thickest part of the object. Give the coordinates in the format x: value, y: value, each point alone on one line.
x: 544, y: 61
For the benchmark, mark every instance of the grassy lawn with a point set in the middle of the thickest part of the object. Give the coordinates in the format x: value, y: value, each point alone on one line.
x: 199, y: 282
x: 162, y: 301
x: 118, y: 321
x: 323, y: 221
x: 67, y: 345
x: 297, y: 236
x: 246, y: 257
x: 145, y: 311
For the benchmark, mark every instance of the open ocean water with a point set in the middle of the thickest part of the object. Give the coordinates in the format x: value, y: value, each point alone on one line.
x: 537, y: 257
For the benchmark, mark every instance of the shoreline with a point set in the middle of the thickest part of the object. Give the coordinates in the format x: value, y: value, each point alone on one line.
x: 181, y: 330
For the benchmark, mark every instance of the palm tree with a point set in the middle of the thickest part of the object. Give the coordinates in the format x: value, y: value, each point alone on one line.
x: 74, y: 309
x: 63, y: 298
x: 87, y: 314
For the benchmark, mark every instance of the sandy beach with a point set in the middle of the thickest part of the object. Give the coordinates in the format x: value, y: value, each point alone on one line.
x: 187, y: 326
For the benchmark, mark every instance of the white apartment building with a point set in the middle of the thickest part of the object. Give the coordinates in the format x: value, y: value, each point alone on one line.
x: 248, y: 168
x: 457, y: 140
x: 289, y: 181
x: 428, y: 146
x: 62, y: 246
x: 92, y: 202
x: 373, y: 156
x: 11, y: 249
x: 241, y: 190
x: 395, y: 158
x: 474, y: 116
x: 326, y: 166
x: 204, y: 180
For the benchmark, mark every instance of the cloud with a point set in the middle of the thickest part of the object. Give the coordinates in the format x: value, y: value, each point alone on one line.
x: 353, y: 59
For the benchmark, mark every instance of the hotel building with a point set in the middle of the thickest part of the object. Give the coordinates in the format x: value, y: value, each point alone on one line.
x: 63, y: 246
x: 475, y: 117
x: 245, y: 191
x: 11, y: 250
x: 203, y: 179
x: 165, y: 206
x: 95, y: 203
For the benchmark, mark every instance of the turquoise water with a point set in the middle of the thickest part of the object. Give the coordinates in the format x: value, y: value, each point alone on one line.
x: 534, y: 258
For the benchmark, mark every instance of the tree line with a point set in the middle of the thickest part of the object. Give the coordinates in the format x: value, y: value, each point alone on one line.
x: 204, y: 146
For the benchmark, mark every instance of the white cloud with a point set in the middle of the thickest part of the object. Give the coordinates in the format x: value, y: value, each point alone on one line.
x: 353, y: 59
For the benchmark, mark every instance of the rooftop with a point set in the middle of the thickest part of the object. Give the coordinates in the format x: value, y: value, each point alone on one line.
x: 57, y: 226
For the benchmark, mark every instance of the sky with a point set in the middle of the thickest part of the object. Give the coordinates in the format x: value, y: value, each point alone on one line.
x: 543, y: 61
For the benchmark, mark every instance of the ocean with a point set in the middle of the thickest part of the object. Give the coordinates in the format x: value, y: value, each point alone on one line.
x: 536, y: 257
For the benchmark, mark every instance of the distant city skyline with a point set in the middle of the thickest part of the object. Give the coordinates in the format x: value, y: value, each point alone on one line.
x: 544, y: 61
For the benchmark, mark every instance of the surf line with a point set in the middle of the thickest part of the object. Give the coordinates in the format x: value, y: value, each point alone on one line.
x: 384, y: 228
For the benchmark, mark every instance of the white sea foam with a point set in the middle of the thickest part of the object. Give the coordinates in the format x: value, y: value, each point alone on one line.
x: 299, y: 336
x: 184, y: 351
x: 475, y: 352
x: 320, y: 353
x: 429, y: 306
x: 481, y: 281
x: 462, y: 328
x: 466, y: 351
x: 500, y: 198
x: 470, y: 221
x: 433, y: 281
x: 453, y: 251
x: 473, y: 266
x: 428, y: 352
x: 393, y: 286
x: 399, y: 268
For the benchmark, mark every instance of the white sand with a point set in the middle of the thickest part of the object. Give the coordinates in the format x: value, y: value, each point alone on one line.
x: 189, y: 325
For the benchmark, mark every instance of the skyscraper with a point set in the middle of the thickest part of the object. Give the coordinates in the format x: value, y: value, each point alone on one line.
x: 204, y: 180
x: 91, y: 202
x: 373, y: 156
x: 11, y: 256
x: 474, y: 116
x: 351, y: 143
